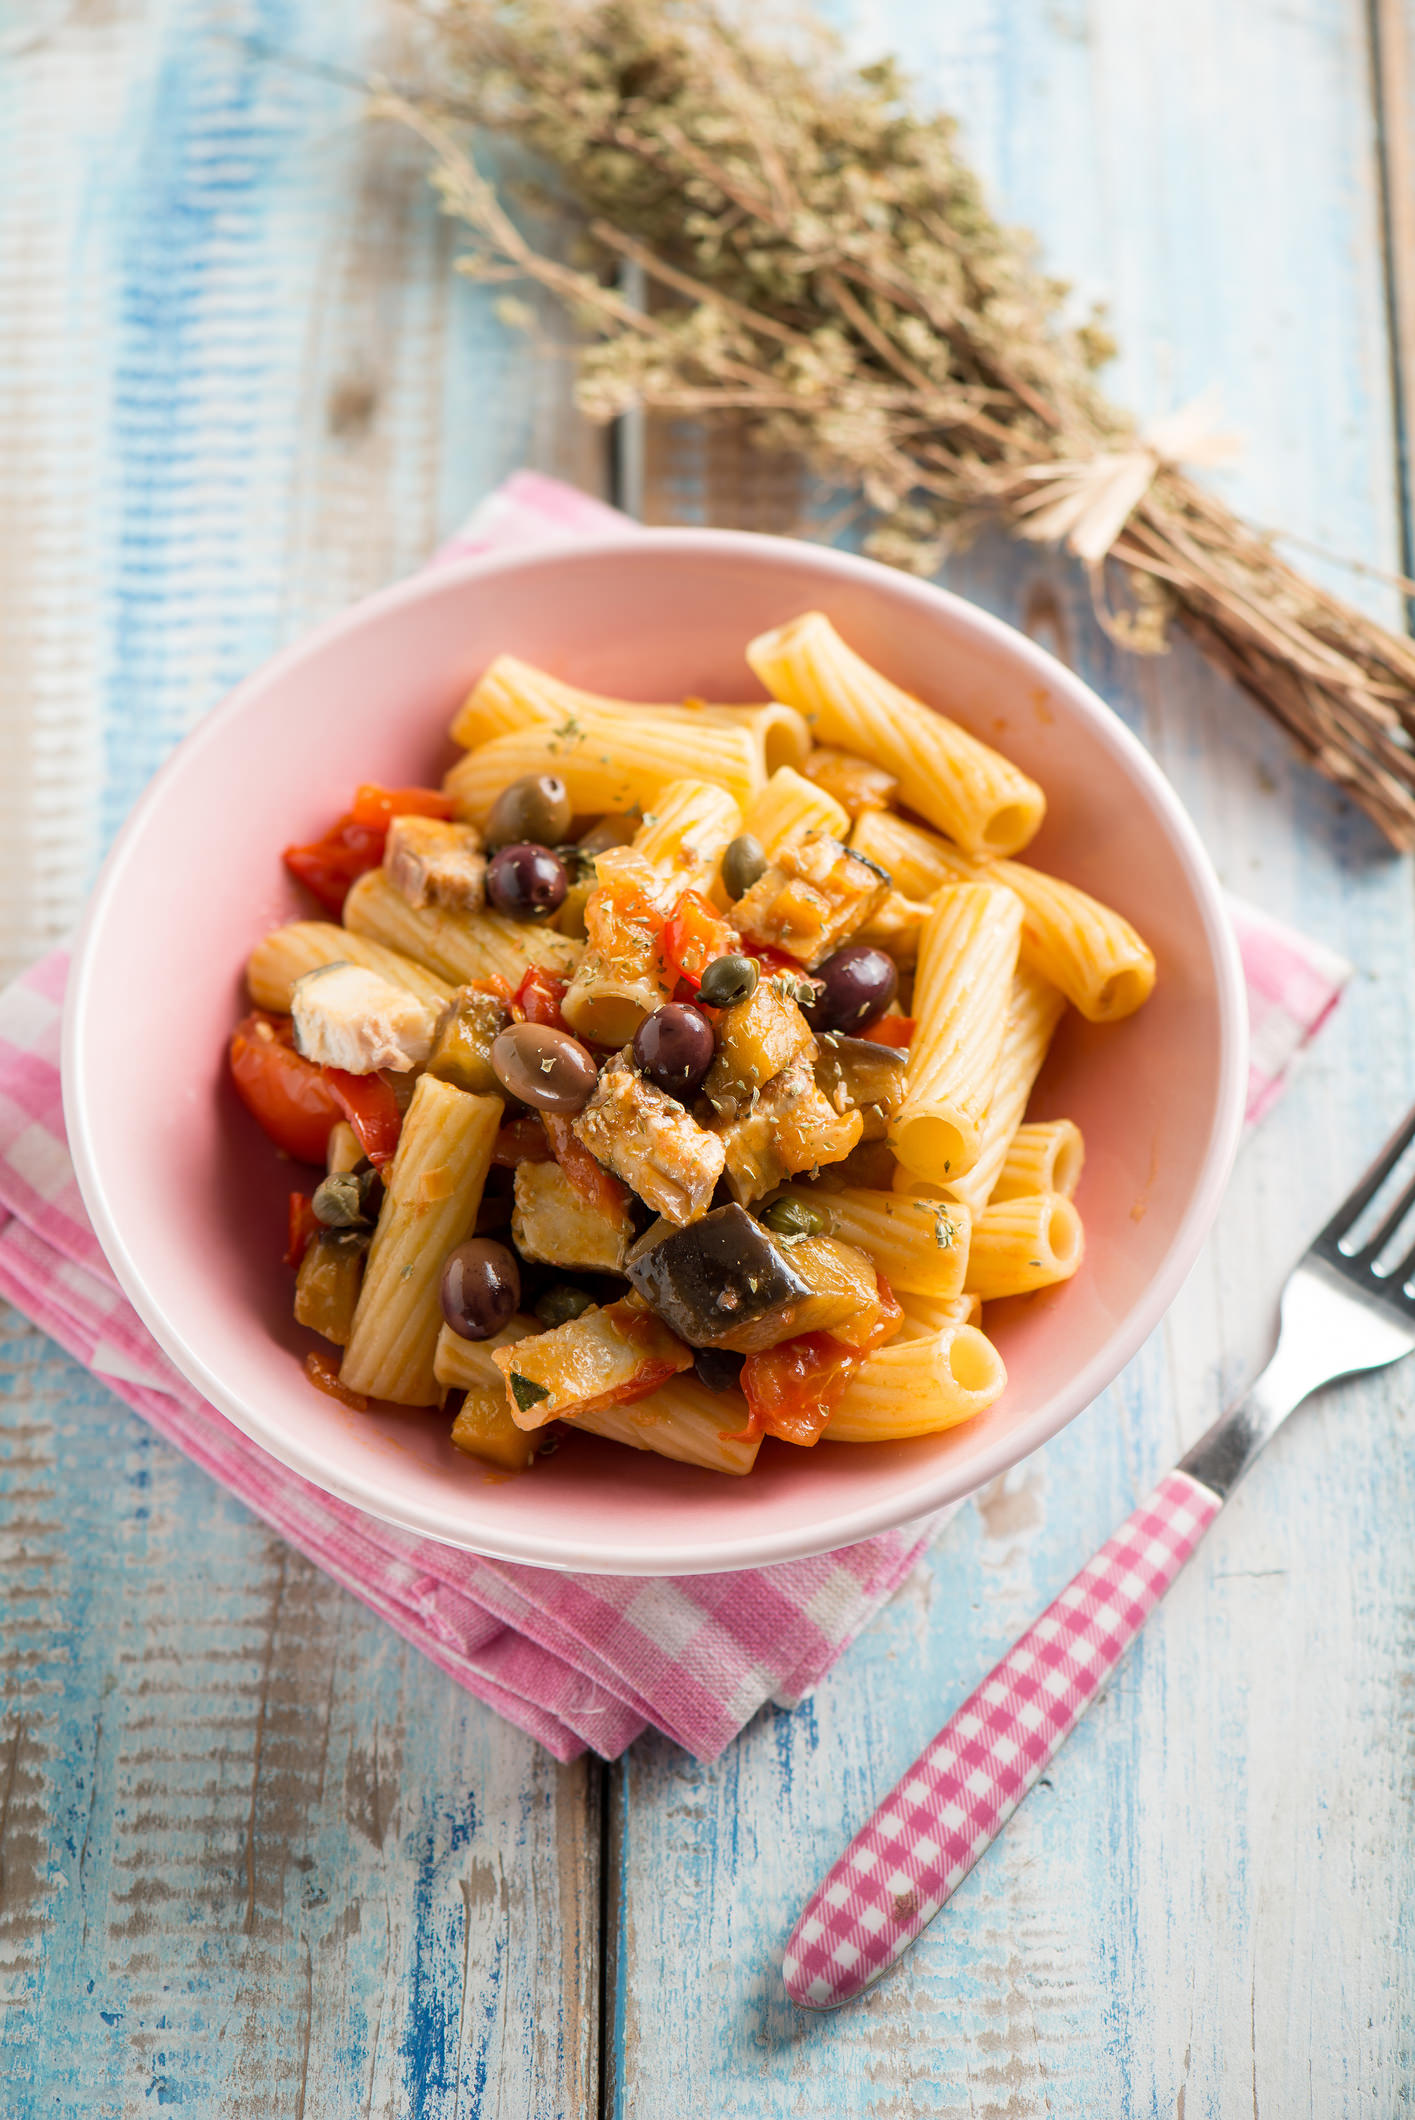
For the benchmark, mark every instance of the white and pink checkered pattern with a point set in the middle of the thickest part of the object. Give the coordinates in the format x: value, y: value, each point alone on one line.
x: 935, y: 1823
x: 577, y: 1661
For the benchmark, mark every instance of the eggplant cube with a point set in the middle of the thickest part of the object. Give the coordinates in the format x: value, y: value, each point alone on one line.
x: 720, y: 1275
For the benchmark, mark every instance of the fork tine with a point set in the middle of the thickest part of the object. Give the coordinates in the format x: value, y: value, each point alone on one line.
x: 1366, y: 1188
x: 1389, y: 1224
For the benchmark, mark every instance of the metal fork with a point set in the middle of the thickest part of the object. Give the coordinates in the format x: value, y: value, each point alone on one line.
x: 1339, y: 1316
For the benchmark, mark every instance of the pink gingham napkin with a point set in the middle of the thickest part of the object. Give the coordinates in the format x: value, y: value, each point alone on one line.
x: 578, y: 1661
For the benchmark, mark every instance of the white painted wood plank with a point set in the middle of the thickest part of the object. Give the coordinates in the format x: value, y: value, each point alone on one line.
x: 1203, y: 1911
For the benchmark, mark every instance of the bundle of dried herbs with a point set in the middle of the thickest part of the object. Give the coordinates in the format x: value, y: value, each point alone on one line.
x: 823, y: 264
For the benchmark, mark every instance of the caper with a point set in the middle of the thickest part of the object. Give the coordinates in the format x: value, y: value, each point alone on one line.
x: 742, y: 865
x: 339, y: 1201
x: 788, y: 1217
x: 729, y: 980
x: 534, y: 809
x: 561, y: 1302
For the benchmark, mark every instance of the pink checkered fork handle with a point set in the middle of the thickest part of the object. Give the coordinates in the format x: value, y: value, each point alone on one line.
x: 1349, y: 1305
x: 935, y: 1823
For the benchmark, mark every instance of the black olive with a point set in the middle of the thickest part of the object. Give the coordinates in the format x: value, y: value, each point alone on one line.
x: 536, y: 808
x: 728, y: 980
x: 526, y: 881
x: 544, y: 1067
x: 718, y: 1367
x: 743, y: 864
x: 562, y: 1302
x: 481, y: 1288
x: 794, y: 1218
x: 856, y: 986
x: 674, y: 1047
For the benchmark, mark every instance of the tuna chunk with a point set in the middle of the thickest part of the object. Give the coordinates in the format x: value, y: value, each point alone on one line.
x: 651, y: 1142
x: 347, y: 1017
x: 429, y: 862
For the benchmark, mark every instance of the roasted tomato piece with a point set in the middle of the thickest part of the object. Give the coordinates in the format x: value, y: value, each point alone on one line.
x: 522, y: 1141
x: 377, y: 807
x: 694, y: 934
x: 303, y: 1227
x: 371, y: 1108
x: 889, y: 1030
x: 329, y: 866
x: 538, y: 997
x: 589, y: 1178
x: 792, y: 1389
x: 286, y: 1093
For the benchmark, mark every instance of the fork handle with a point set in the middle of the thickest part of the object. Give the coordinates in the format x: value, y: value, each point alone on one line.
x: 962, y: 1789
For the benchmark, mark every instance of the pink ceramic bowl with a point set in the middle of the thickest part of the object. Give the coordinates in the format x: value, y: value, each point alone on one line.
x: 189, y: 1200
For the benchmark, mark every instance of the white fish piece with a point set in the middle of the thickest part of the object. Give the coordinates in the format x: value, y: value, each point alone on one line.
x: 351, y: 1018
x: 430, y: 862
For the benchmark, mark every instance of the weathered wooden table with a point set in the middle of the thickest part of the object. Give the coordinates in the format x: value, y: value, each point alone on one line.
x: 256, y: 1856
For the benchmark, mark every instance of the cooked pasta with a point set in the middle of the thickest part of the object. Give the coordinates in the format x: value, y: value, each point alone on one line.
x: 680, y: 1420
x: 1045, y: 1156
x: 1087, y: 949
x: 1024, y: 1243
x: 917, y: 1387
x: 657, y: 1080
x: 285, y: 955
x: 610, y: 763
x: 458, y: 946
x: 1033, y: 1011
x: 790, y: 807
x: 433, y: 1191
x: 967, y: 789
x: 967, y: 956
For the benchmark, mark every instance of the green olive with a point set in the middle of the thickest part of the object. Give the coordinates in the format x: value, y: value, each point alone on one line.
x: 788, y: 1217
x: 729, y: 980
x: 742, y: 865
x: 534, y: 810
x: 561, y: 1303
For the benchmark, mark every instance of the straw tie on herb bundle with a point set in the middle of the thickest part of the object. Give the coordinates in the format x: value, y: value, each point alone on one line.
x: 821, y: 262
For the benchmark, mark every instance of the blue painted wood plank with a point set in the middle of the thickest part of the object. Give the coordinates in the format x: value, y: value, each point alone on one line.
x: 1197, y: 1913
x: 253, y: 1849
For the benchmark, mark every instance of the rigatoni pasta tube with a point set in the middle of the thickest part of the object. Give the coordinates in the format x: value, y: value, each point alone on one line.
x: 926, y: 1315
x: 1104, y: 968
x: 967, y: 956
x: 920, y: 1246
x: 686, y: 834
x: 1028, y: 1242
x: 790, y: 806
x: 1033, y: 1010
x: 681, y: 1419
x: 458, y: 946
x: 610, y: 762
x: 1045, y: 1156
x: 286, y: 955
x: 512, y: 694
x: 917, y: 1387
x: 967, y: 789
x: 432, y: 1191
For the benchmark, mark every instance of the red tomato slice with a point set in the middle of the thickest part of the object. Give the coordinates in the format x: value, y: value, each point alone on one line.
x: 538, y: 997
x: 378, y: 807
x: 890, y: 1030
x: 523, y: 1141
x: 695, y: 933
x: 303, y: 1228
x: 792, y: 1389
x: 286, y: 1093
x: 589, y: 1178
x: 328, y: 866
x: 371, y: 1109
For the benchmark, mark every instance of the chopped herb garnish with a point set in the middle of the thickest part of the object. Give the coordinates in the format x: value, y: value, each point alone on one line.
x: 945, y: 1230
x: 526, y: 1392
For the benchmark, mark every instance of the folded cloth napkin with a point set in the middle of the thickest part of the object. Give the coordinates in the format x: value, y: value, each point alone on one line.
x: 578, y: 1661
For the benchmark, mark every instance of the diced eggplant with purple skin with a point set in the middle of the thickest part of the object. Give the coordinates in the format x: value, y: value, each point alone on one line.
x: 716, y: 1279
x: 856, y: 1074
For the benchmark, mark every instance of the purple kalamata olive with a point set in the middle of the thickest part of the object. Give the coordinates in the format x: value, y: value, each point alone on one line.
x: 856, y: 985
x: 674, y: 1047
x: 526, y: 881
x: 481, y: 1288
x: 537, y: 807
x: 544, y: 1067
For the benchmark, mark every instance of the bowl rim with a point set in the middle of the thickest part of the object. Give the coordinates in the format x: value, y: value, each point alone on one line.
x: 719, y: 1554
